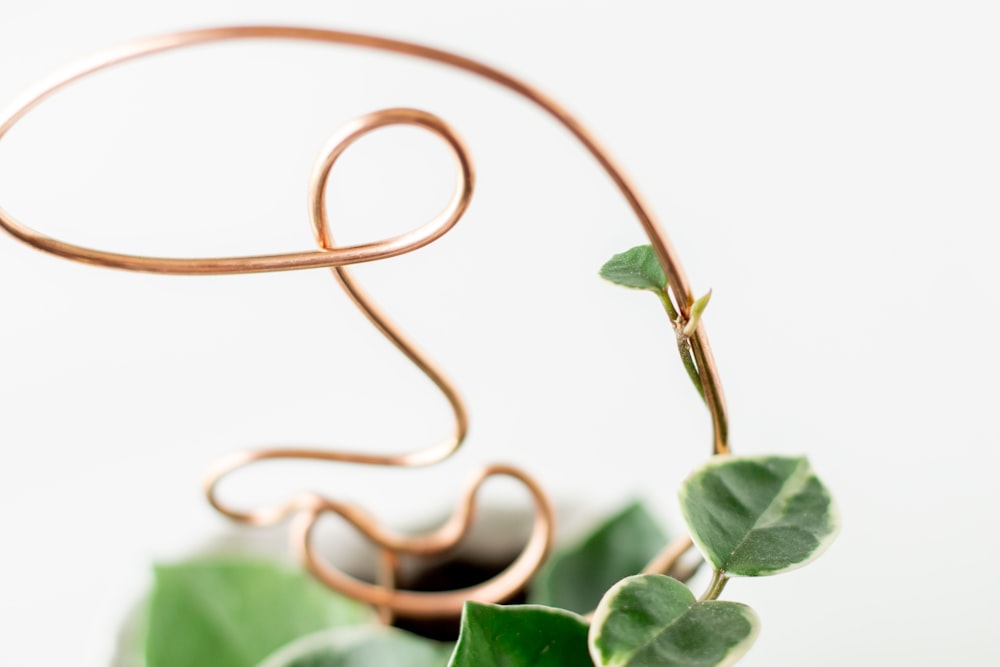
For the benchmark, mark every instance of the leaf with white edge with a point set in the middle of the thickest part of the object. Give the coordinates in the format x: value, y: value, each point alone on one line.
x: 520, y: 636
x: 637, y: 268
x: 755, y: 516
x: 236, y: 612
x: 577, y: 577
x: 651, y: 620
x: 361, y: 646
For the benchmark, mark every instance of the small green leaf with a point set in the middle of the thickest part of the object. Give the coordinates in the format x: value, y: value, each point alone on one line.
x: 577, y: 577
x: 697, y: 308
x: 520, y: 636
x: 651, y: 620
x: 755, y: 516
x: 361, y: 646
x: 235, y: 612
x: 637, y: 268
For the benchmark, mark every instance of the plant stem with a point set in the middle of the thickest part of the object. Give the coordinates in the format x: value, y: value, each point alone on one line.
x: 683, y: 344
x: 668, y: 305
x: 684, y: 349
x: 719, y: 581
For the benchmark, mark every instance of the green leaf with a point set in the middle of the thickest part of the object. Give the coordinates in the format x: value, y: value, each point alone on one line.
x: 653, y: 620
x: 520, y: 636
x: 637, y: 268
x: 755, y: 516
x: 234, y: 613
x: 577, y: 577
x: 697, y: 308
x: 361, y: 646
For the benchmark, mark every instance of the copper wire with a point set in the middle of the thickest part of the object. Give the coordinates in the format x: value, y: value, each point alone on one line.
x: 305, y: 509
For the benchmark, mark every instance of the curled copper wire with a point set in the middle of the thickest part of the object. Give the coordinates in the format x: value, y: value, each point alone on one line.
x: 305, y: 509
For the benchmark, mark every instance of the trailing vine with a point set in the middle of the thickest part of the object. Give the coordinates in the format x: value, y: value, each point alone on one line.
x: 749, y: 516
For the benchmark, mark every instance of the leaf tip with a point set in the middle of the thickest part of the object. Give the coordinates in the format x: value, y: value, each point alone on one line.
x: 697, y: 308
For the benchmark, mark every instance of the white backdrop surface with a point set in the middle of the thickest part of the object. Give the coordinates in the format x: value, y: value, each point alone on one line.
x: 829, y: 171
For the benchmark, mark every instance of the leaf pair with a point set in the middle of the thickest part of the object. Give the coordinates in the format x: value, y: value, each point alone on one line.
x: 644, y: 620
x: 749, y: 516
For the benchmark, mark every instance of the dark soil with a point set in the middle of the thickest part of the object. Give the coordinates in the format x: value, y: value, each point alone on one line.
x: 460, y: 572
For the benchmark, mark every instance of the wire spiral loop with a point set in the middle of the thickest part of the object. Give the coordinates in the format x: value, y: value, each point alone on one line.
x: 305, y: 509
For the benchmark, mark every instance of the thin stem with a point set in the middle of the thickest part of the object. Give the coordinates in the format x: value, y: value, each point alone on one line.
x: 713, y: 391
x: 683, y: 344
x: 719, y: 581
x: 684, y: 349
x: 668, y: 305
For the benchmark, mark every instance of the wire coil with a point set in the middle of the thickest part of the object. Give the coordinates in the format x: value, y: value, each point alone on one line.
x: 305, y: 509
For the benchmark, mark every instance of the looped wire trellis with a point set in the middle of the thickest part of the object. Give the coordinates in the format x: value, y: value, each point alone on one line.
x: 305, y: 509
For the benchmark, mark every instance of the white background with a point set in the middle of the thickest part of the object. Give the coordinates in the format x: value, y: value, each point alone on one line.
x: 830, y: 171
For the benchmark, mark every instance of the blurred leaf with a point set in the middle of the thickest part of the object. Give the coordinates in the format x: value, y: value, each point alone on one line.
x: 361, y: 646
x: 131, y: 642
x: 577, y: 577
x: 520, y: 636
x: 637, y: 268
x: 651, y: 620
x: 757, y: 516
x: 234, y: 613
